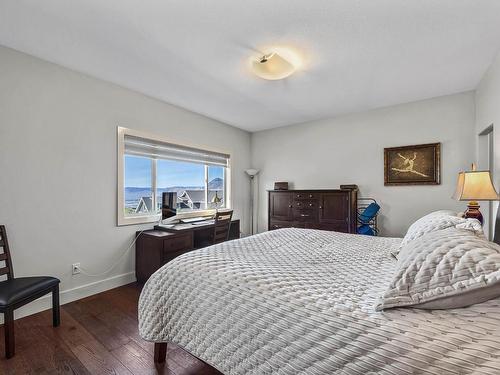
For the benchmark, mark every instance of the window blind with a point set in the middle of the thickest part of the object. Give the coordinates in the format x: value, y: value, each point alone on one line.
x: 154, y: 149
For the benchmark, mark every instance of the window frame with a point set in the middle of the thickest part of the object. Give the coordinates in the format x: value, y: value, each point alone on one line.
x: 122, y: 219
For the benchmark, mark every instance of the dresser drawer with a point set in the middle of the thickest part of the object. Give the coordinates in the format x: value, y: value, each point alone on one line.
x: 285, y: 224
x: 178, y: 243
x: 169, y: 255
x: 305, y: 215
x: 305, y: 195
x: 306, y: 204
x: 279, y: 224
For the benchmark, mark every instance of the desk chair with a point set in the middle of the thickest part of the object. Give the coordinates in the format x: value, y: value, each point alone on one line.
x: 17, y: 292
x: 222, y: 225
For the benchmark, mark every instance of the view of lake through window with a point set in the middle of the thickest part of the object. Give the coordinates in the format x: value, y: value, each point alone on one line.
x: 196, y: 185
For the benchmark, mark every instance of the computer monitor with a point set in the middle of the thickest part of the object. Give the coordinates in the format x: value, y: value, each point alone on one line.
x: 168, y: 204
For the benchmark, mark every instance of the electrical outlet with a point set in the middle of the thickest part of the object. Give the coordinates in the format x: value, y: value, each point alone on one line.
x: 75, y: 268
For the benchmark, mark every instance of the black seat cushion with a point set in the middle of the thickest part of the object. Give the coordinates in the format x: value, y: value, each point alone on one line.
x: 17, y: 289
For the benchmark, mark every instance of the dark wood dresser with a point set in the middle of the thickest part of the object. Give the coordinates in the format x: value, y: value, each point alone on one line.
x: 334, y: 210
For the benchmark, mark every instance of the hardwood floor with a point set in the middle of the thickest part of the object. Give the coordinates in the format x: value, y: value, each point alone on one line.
x: 98, y: 335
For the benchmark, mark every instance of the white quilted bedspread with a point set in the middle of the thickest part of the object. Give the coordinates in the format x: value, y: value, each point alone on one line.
x: 298, y: 301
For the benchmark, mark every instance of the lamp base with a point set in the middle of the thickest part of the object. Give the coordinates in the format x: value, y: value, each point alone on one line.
x: 473, y: 212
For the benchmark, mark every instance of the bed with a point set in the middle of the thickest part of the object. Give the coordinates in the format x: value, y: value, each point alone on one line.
x: 300, y: 301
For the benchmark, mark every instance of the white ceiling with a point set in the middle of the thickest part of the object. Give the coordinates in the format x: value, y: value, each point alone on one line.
x: 361, y: 54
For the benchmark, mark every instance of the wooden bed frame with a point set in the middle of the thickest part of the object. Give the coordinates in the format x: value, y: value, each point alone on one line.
x: 160, y: 357
x: 160, y: 352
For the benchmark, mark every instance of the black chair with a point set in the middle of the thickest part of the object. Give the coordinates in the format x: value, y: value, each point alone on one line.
x: 17, y: 292
x: 222, y: 225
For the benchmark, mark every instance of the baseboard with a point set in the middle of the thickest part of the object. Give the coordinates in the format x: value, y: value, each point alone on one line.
x: 74, y: 294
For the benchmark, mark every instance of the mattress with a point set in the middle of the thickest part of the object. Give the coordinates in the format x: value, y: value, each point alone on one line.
x: 299, y: 301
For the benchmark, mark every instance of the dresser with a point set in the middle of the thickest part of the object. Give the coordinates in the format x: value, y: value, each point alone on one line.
x: 334, y: 210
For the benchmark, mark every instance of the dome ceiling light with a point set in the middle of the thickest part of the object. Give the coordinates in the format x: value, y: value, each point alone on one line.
x: 272, y: 67
x: 278, y: 63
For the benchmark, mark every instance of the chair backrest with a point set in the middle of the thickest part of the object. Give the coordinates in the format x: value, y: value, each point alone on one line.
x: 5, y: 254
x: 222, y: 225
x: 369, y: 213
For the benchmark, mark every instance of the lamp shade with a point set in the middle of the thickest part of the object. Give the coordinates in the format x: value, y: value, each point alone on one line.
x: 216, y: 199
x: 475, y: 186
x: 252, y: 172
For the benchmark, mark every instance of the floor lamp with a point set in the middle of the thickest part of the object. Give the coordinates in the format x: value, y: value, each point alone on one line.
x: 251, y: 173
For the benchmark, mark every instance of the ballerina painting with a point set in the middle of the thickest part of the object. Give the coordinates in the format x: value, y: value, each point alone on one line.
x: 412, y: 165
x: 409, y: 165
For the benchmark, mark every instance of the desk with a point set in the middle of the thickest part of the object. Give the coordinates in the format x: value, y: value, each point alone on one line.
x: 201, y: 232
x: 160, y: 245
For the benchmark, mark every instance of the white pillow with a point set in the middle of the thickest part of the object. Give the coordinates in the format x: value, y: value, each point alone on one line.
x: 444, y: 269
x: 428, y: 223
x: 436, y: 221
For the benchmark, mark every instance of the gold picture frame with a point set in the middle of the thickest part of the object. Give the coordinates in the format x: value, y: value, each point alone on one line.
x: 412, y: 165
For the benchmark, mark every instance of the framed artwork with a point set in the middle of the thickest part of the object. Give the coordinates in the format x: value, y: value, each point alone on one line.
x: 412, y: 165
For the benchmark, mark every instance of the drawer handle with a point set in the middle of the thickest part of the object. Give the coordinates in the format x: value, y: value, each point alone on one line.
x: 298, y: 204
x: 310, y: 204
x: 310, y: 195
x: 304, y: 215
x: 298, y: 195
x: 289, y: 206
x: 320, y: 207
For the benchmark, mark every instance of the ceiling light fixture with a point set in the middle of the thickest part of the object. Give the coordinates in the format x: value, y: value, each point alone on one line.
x: 273, y: 66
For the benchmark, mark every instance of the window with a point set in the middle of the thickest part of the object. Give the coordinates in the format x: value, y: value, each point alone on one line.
x: 215, y: 186
x: 138, y: 187
x: 149, y: 166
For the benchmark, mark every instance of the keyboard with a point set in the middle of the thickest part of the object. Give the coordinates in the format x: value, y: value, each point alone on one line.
x: 204, y: 222
x: 194, y: 219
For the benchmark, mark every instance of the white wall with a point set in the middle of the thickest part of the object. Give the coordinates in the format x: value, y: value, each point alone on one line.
x: 487, y: 100
x: 350, y: 149
x: 58, y: 176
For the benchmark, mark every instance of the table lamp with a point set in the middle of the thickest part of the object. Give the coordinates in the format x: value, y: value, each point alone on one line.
x: 216, y: 200
x: 474, y: 186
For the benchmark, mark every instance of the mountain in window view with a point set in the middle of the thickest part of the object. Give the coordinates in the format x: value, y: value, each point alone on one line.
x: 216, y: 184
